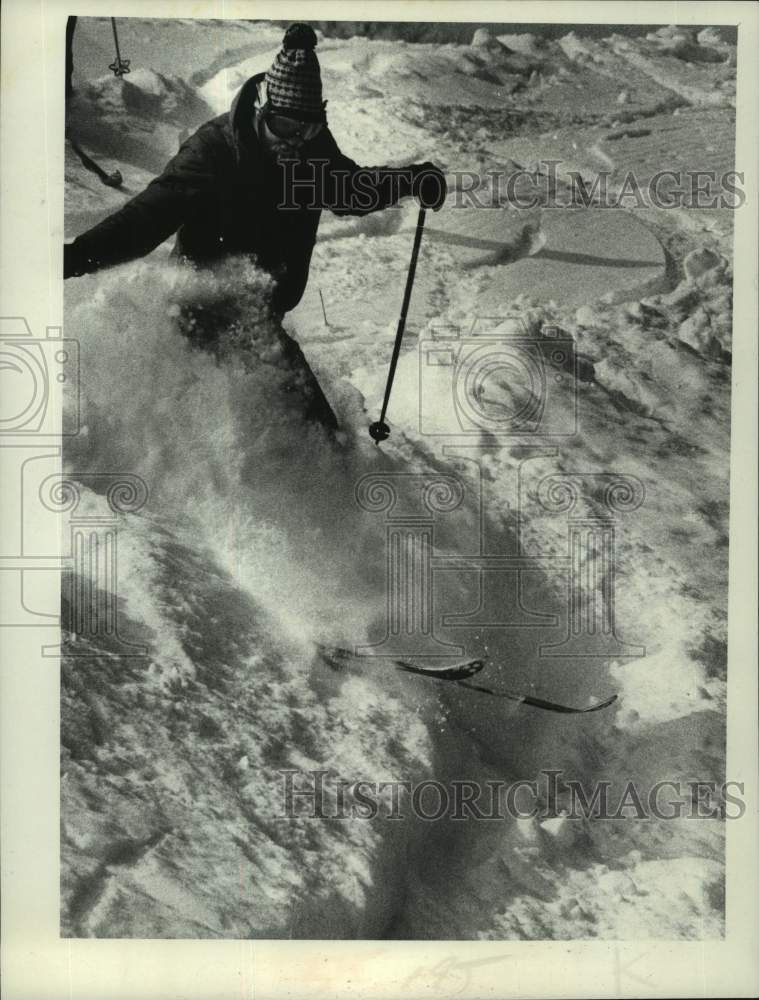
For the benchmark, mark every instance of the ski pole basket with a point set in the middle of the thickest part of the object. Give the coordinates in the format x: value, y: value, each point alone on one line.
x: 119, y: 66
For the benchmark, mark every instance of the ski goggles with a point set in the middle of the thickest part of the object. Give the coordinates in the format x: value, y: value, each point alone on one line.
x: 291, y: 128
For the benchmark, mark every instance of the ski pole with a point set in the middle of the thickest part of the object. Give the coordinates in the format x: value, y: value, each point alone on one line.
x: 119, y: 66
x: 379, y: 430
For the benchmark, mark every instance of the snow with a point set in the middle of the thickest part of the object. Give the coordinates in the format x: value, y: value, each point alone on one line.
x: 252, y: 547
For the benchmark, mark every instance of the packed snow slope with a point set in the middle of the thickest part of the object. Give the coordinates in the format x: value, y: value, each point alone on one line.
x: 252, y: 548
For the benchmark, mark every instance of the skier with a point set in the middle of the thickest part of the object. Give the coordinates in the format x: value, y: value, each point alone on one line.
x: 253, y: 181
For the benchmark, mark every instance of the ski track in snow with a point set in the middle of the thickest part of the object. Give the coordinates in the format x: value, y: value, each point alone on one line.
x: 252, y: 546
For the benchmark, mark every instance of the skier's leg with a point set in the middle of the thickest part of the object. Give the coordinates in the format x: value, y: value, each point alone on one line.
x: 204, y: 327
x: 306, y: 385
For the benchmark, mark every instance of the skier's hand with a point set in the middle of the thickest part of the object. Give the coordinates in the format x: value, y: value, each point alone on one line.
x: 429, y: 186
x: 72, y: 266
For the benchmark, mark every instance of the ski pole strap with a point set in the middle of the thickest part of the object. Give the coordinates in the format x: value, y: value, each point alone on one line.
x: 404, y: 311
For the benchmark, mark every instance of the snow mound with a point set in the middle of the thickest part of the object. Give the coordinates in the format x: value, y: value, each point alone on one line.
x: 141, y: 119
x: 147, y: 94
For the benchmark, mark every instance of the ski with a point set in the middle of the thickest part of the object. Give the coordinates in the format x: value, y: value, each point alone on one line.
x: 454, y: 673
x: 547, y: 706
x: 339, y: 658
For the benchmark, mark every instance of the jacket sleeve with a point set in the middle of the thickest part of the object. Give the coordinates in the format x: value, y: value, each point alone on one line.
x: 350, y: 189
x: 154, y: 214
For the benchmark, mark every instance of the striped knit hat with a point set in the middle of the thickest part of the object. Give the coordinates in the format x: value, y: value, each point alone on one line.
x: 294, y: 83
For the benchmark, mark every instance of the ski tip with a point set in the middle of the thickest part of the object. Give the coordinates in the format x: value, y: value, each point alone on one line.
x: 454, y: 673
x: 601, y: 704
x: 534, y: 702
x: 552, y: 706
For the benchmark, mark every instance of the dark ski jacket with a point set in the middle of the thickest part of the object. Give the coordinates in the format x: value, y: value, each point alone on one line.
x: 222, y: 194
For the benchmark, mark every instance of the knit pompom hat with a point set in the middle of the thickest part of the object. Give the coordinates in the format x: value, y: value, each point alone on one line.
x: 294, y: 83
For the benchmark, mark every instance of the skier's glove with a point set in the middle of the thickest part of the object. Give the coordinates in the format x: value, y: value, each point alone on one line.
x: 429, y: 186
x: 73, y: 265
